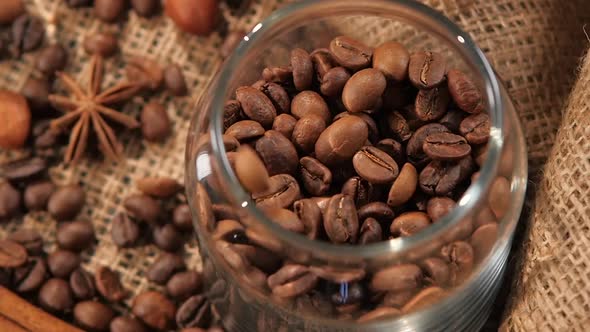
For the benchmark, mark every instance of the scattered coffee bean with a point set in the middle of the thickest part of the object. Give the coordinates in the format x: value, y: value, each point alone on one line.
x: 30, y: 239
x: 154, y: 309
x: 155, y: 123
x: 184, y: 284
x: 10, y: 201
x: 15, y: 127
x: 55, y: 296
x: 93, y: 315
x: 82, y: 284
x: 102, y: 43
x: 36, y: 91
x: 10, y: 10
x: 232, y: 40
x: 109, y: 10
x: 465, y: 94
x: 66, y: 202
x: 182, y: 218
x: 145, y: 8
x: 363, y: 90
x: 145, y: 71
x: 341, y: 220
x: 51, y: 59
x: 350, y: 53
x: 143, y: 208
x: 426, y: 69
x: 164, y: 267
x: 174, y: 80
x: 37, y: 195
x: 193, y: 16
x: 124, y: 231
x: 166, y: 237
x: 158, y: 186
x: 12, y: 254
x: 108, y: 284
x: 62, y: 263
x: 194, y: 312
x: 126, y: 324
x: 75, y: 235
x: 27, y: 34
x: 30, y: 276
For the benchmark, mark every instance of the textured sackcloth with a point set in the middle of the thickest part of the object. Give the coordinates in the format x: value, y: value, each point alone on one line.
x: 534, y: 45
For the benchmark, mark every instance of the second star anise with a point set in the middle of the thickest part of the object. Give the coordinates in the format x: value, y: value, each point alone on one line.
x: 86, y: 109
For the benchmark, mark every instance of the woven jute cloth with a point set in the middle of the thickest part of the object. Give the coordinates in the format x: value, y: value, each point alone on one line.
x: 534, y: 45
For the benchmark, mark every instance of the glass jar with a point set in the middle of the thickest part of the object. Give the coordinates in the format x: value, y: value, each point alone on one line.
x: 236, y: 269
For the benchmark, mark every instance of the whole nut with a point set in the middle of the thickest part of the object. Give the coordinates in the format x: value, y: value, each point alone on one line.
x: 15, y: 120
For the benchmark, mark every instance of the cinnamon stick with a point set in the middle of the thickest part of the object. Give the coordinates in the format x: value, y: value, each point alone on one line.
x: 17, y: 315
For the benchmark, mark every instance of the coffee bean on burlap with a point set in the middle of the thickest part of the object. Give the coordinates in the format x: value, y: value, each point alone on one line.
x: 155, y: 123
x: 184, y: 284
x: 27, y: 34
x: 124, y: 231
x: 109, y: 10
x: 144, y: 71
x: 82, y: 284
x: 75, y: 235
x: 162, y: 187
x: 101, y: 43
x: 36, y: 195
x: 182, y: 217
x: 51, y: 59
x: 23, y: 169
x: 28, y: 238
x: 12, y: 254
x: 109, y: 285
x: 66, y: 202
x: 62, y: 263
x: 145, y: 8
x: 174, y: 79
x: 154, y: 309
x: 168, y: 238
x: 36, y: 91
x: 30, y: 276
x: 194, y: 312
x: 55, y: 296
x: 126, y: 324
x: 164, y: 267
x: 143, y: 208
x: 93, y: 315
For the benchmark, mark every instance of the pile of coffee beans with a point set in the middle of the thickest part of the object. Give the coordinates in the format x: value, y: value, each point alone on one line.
x: 354, y: 145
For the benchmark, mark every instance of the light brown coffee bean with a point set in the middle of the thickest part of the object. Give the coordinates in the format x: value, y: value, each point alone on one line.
x: 499, y: 197
x: 460, y: 257
x: 277, y: 74
x: 62, y: 263
x: 165, y: 265
x: 184, y: 284
x: 126, y: 324
x: 370, y: 232
x: 174, y: 80
x: 182, y: 218
x: 144, y: 71
x: 446, y: 146
x: 424, y: 298
x: 101, y: 43
x: 436, y: 271
x: 392, y: 59
x: 341, y: 220
x: 284, y: 124
x: 397, y: 299
x: 464, y: 92
x: 306, y: 132
x: 476, y: 128
x: 286, y: 219
x: 10, y: 201
x: 124, y: 231
x: 245, y: 130
x: 30, y: 239
x: 278, y: 96
x: 23, y: 169
x: 167, y: 237
x: 333, y: 81
x: 278, y: 153
x: 311, y: 216
x: 375, y: 165
x: 158, y: 186
x: 439, y: 207
x: 75, y: 235
x: 483, y: 240
x: 404, y: 186
x: 250, y: 170
x: 310, y: 102
x: 153, y: 308
x: 282, y: 192
x: 55, y: 296
x: 426, y: 69
x: 93, y: 315
x: 341, y: 140
x: 292, y: 280
x: 397, y: 278
x: 302, y: 69
x: 409, y: 223
x: 432, y: 104
x: 256, y: 105
x: 363, y: 90
x: 396, y: 125
x: 66, y: 202
x: 316, y: 177
x: 350, y: 53
x: 197, y: 17
x: 30, y: 276
x: 16, y: 126
x: 12, y: 254
x: 10, y: 10
x: 322, y: 62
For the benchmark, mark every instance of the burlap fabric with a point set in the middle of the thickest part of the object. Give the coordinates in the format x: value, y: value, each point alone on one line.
x: 534, y: 45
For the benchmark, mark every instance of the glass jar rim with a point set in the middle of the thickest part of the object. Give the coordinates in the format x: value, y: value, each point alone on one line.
x: 450, y: 32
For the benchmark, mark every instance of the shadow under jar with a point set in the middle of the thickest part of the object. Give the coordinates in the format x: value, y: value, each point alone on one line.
x: 437, y: 269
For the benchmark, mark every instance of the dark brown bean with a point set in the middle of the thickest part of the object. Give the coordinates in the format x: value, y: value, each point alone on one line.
x: 12, y: 254
x: 75, y: 235
x: 182, y: 218
x: 432, y: 104
x: 159, y: 186
x: 396, y: 125
x: 322, y: 62
x: 256, y: 105
x: 284, y: 124
x: 460, y: 257
x: 310, y: 215
x: 341, y: 140
x: 23, y: 169
x: 55, y: 296
x: 363, y: 90
x: 62, y: 263
x: 277, y: 153
x: 36, y: 91
x: 126, y: 324
x: 174, y: 80
x: 282, y: 192
x: 302, y: 69
x: 370, y: 232
x: 277, y: 74
x: 452, y: 119
x: 307, y: 131
x: 259, y: 257
x: 499, y: 197
x: 465, y: 93
x: 101, y: 43
x: 194, y: 312
x: 310, y: 102
x: 155, y: 123
x: 27, y: 34
x: 392, y: 59
x: 145, y: 8
x: 10, y: 10
x: 476, y: 128
x: 51, y: 59
x: 374, y: 165
x: 446, y: 146
x: 143, y: 208
x: 377, y: 210
x: 30, y: 239
x: 278, y: 96
x: 30, y: 276
x: 168, y: 238
x: 414, y: 149
x: 164, y: 267
x: 124, y: 231
x: 93, y: 315
x: 232, y: 113
x: 316, y: 177
x: 66, y: 202
x: 37, y: 195
x: 436, y: 271
x: 397, y: 278
x: 184, y: 284
x: 360, y: 190
x: 439, y: 207
x: 393, y: 148
x: 144, y: 71
x: 82, y: 284
x: 439, y: 178
x: 341, y: 220
x: 154, y: 309
x: 379, y: 313
x: 109, y: 285
x: 426, y: 69
x: 245, y: 130
x: 350, y: 53
x: 292, y: 280
x: 409, y: 223
x: 404, y: 186
x: 333, y: 81
x: 411, y: 116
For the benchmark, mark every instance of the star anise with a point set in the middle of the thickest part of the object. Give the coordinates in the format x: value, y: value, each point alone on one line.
x: 88, y: 108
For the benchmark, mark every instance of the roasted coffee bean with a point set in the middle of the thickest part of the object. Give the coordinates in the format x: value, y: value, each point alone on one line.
x: 30, y: 276
x: 145, y: 8
x: 341, y: 220
x: 166, y: 237
x: 404, y: 186
x: 436, y: 271
x: 144, y: 71
x: 284, y: 124
x: 341, y: 140
x: 302, y: 69
x: 333, y: 81
x: 143, y: 208
x: 10, y: 10
x: 316, y: 177
x: 245, y: 130
x: 12, y: 254
x: 75, y: 235
x: 62, y: 263
x: 278, y: 96
x: 370, y: 231
x: 174, y: 80
x: 124, y: 231
x: 66, y: 202
x: 182, y: 218
x: 484, y: 216
x: 82, y: 284
x: 101, y: 43
x: 377, y: 210
x: 360, y: 190
x: 30, y: 239
x: 251, y: 171
x: 126, y: 324
x: 396, y: 125
x: 409, y: 223
x: 424, y: 298
x: 371, y: 124
x: 231, y: 42
x: 232, y: 113
x: 277, y: 74
x: 159, y: 186
x: 439, y: 207
x: 397, y: 278
x: 93, y: 315
x: 109, y: 10
x: 397, y: 299
x: 36, y: 91
x: 256, y: 105
x: 307, y: 131
x: 286, y: 219
x: 55, y: 296
x: 414, y: 149
x: 393, y: 148
x: 452, y: 119
x: 184, y: 13
x: 375, y: 165
x: 37, y: 195
x: 322, y: 62
x: 483, y: 240
x: 155, y: 123
x: 23, y: 169
x: 426, y: 69
x: 476, y: 128
x: 108, y: 284
x: 15, y: 128
x: 261, y: 258
x: 446, y: 146
x: 439, y: 178
x: 310, y: 215
x: 363, y: 90
x: 464, y: 92
x: 460, y: 257
x: 164, y: 267
x: 432, y: 104
x: 194, y: 312
x: 392, y: 59
x: 350, y: 53
x: 292, y: 280
x: 51, y: 59
x: 310, y: 102
x: 27, y: 34
x: 184, y: 284
x: 154, y: 309
x: 277, y: 153
x: 499, y: 197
